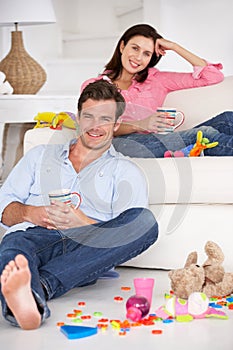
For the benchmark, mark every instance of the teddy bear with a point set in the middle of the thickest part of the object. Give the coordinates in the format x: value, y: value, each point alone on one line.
x: 210, y: 278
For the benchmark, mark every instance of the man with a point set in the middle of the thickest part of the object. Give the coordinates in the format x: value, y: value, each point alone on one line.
x: 48, y: 248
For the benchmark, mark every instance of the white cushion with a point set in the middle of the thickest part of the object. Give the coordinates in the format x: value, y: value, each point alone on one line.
x: 189, y: 180
x: 46, y: 135
x: 200, y: 104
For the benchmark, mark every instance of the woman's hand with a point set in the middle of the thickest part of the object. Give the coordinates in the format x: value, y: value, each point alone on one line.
x: 156, y: 123
x: 61, y: 216
x: 161, y: 45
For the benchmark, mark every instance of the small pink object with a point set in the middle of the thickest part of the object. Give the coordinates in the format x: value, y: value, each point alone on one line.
x: 168, y: 154
x: 178, y: 154
x: 144, y: 287
x: 137, y: 307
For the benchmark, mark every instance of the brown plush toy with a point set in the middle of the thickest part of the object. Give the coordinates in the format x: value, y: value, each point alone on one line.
x: 210, y: 278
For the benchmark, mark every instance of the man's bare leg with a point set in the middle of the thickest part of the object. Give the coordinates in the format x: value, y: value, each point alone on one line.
x: 16, y: 289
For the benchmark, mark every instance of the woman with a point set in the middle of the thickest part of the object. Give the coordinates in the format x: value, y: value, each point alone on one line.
x: 145, y: 88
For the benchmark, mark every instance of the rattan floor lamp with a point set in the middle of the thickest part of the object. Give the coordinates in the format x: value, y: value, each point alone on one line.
x: 25, y: 75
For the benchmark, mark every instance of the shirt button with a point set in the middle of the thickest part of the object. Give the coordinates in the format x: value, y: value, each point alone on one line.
x: 101, y: 174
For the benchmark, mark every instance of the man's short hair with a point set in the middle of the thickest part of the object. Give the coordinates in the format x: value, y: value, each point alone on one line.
x: 102, y: 90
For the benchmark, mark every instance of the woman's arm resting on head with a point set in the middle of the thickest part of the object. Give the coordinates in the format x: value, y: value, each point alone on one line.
x: 162, y: 45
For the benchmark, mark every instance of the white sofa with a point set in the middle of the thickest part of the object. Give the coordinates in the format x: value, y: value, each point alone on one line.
x: 192, y: 198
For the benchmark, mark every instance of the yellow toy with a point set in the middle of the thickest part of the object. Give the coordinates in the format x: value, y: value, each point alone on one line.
x: 195, y: 150
x: 55, y: 120
x: 201, y: 144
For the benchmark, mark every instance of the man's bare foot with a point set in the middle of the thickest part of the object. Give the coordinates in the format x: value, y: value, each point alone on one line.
x: 16, y: 289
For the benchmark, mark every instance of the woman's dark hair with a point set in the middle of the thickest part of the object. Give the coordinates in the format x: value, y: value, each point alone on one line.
x: 114, y: 66
x: 102, y: 90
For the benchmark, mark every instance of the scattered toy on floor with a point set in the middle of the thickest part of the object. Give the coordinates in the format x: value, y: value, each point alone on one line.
x: 75, y: 332
x: 196, y: 306
x: 185, y: 310
x: 137, y: 307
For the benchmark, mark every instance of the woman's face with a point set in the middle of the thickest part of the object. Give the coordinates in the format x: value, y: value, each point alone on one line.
x: 136, y: 54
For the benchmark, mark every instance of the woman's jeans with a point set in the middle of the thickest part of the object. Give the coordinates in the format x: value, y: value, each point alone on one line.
x: 60, y: 261
x: 153, y: 145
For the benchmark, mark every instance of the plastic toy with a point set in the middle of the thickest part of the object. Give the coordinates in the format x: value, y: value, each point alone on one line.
x: 195, y: 150
x: 137, y: 307
x: 75, y: 332
x: 185, y: 310
x: 210, y: 278
x: 144, y: 287
x: 55, y: 120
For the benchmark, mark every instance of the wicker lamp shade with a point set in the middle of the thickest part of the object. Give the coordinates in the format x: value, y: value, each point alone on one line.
x: 24, y: 74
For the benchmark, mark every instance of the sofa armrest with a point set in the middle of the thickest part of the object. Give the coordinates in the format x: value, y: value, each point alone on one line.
x: 200, y: 104
x: 34, y: 137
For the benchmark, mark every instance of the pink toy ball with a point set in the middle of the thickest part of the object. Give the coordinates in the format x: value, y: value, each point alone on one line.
x: 168, y: 154
x: 178, y: 154
x: 137, y: 307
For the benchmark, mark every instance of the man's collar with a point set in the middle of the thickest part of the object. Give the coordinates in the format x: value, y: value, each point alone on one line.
x: 66, y: 149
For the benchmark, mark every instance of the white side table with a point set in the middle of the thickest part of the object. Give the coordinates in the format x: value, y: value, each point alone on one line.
x: 23, y: 108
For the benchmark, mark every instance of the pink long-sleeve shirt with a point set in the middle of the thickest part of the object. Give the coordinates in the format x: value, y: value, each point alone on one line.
x: 143, y: 99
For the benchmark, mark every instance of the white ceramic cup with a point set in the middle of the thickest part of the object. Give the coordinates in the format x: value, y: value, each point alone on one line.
x: 64, y: 195
x: 176, y: 118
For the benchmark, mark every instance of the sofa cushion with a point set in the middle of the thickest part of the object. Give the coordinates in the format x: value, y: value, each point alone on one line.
x: 38, y: 136
x: 202, y: 103
x: 184, y: 229
x: 189, y: 180
x: 170, y: 180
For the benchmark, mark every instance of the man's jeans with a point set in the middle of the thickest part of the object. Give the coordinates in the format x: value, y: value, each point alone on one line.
x: 60, y: 261
x: 153, y: 145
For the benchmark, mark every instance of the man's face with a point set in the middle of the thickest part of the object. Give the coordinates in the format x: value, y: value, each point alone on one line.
x: 97, y: 124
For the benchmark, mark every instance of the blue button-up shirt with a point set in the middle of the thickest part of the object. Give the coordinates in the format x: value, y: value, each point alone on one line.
x: 108, y: 186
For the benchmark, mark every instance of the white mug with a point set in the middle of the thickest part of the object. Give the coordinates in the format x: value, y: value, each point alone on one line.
x: 175, y: 117
x: 65, y: 196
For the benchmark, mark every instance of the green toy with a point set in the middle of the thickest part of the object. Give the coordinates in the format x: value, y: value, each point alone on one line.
x: 195, y: 150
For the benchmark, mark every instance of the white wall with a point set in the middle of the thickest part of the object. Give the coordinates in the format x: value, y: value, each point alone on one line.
x: 202, y: 26
x: 87, y: 32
